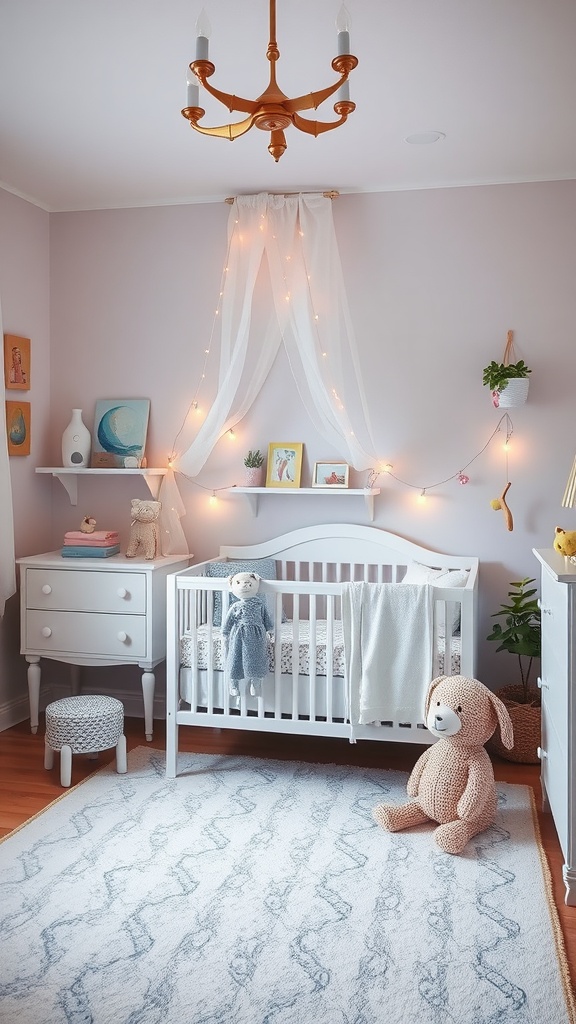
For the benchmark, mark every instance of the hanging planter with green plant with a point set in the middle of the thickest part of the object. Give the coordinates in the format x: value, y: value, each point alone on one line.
x: 521, y: 636
x: 508, y: 382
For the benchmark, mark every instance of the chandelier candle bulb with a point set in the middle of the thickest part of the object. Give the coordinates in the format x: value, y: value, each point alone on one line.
x: 343, y: 29
x: 202, y: 36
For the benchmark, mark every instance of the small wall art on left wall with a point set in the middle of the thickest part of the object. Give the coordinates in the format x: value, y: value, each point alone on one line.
x: 16, y: 363
x: 18, y: 427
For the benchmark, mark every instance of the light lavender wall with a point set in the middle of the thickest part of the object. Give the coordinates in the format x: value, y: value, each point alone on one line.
x: 435, y: 279
x: 24, y: 292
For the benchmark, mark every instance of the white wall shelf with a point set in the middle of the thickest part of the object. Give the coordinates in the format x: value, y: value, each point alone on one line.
x: 68, y: 477
x: 252, y: 494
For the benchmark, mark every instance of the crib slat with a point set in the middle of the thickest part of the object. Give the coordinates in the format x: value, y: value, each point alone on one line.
x: 312, y: 659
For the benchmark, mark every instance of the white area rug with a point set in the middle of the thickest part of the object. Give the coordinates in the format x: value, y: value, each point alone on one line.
x: 262, y: 892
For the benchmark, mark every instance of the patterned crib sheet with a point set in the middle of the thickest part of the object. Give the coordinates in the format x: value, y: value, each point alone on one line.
x: 303, y: 650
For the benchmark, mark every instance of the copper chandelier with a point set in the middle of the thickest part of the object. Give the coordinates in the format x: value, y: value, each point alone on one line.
x: 272, y: 111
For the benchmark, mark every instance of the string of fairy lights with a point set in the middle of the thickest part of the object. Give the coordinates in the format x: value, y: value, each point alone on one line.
x: 383, y: 469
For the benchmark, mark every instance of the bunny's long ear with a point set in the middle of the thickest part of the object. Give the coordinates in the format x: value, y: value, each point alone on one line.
x: 504, y: 721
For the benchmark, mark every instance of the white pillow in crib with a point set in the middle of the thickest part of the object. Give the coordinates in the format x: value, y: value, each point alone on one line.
x: 417, y: 573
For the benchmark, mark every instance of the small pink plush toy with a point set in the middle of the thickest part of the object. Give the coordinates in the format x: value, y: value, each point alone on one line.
x: 452, y: 783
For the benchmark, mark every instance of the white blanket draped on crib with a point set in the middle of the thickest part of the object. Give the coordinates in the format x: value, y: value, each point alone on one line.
x: 387, y: 651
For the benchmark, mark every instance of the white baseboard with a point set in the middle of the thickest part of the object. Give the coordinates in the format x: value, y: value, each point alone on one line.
x: 13, y: 712
x: 16, y: 711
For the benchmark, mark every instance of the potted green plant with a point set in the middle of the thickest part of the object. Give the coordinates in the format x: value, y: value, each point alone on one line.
x: 508, y: 382
x: 254, y: 462
x: 520, y: 635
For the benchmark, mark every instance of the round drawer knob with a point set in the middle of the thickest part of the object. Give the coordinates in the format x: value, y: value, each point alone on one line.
x: 122, y: 636
x: 46, y: 589
x: 122, y: 592
x: 46, y: 631
x: 541, y: 753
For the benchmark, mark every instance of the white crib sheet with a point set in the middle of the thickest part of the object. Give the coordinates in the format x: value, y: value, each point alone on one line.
x: 286, y: 650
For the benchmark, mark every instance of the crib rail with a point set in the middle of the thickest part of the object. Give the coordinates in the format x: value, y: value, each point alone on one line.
x: 309, y: 702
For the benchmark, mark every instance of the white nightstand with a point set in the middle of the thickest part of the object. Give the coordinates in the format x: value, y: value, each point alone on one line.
x: 94, y: 611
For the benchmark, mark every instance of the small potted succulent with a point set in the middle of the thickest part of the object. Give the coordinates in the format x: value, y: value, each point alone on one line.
x: 521, y: 636
x: 508, y: 382
x: 254, y: 463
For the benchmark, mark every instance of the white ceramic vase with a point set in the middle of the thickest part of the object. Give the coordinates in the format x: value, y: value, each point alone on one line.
x: 76, y: 442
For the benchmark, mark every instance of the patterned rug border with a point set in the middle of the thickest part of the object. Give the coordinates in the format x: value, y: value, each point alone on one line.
x: 137, y: 753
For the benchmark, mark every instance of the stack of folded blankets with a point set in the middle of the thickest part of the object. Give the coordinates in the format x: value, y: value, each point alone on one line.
x: 99, y: 544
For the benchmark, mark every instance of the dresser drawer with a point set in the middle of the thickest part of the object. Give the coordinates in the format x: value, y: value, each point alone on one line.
x: 554, y: 615
x: 121, y: 638
x: 555, y: 780
x: 86, y: 590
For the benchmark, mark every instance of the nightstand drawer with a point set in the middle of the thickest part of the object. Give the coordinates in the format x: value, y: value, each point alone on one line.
x: 86, y: 590
x: 120, y: 638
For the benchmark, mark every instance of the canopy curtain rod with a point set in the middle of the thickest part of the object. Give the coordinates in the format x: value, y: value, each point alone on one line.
x: 327, y: 195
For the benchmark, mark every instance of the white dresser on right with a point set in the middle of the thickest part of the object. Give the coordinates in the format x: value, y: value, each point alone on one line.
x: 558, y: 688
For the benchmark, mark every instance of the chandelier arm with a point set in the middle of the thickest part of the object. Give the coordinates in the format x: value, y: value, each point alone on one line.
x: 224, y: 131
x: 233, y: 103
x: 319, y: 127
x: 312, y: 100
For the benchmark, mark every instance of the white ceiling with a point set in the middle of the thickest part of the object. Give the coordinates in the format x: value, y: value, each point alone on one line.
x: 91, y: 93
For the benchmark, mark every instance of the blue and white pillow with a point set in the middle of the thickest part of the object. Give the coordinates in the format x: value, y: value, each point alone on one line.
x: 265, y: 567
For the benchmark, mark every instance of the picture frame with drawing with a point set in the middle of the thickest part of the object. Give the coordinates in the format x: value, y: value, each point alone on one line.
x: 284, y: 468
x: 16, y: 363
x: 330, y: 474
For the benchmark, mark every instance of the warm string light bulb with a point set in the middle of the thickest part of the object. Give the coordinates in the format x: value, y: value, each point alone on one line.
x: 422, y: 497
x: 213, y: 500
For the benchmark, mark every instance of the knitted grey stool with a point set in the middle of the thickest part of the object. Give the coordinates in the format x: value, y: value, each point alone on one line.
x: 84, y: 725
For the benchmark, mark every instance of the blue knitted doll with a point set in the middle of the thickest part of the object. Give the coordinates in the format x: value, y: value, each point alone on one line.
x: 244, y: 628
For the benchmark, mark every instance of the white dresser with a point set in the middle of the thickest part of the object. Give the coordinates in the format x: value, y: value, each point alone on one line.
x: 94, y: 611
x: 558, y: 686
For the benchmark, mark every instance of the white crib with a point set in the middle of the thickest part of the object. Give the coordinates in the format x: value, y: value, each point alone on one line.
x: 305, y: 690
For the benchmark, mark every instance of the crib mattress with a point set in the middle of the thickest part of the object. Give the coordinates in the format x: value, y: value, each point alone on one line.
x: 302, y: 650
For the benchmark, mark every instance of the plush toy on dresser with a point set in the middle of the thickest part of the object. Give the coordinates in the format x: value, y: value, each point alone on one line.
x: 144, y: 529
x: 453, y: 781
x: 245, y: 627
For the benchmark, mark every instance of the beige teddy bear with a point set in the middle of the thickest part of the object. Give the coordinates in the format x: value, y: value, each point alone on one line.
x: 453, y: 781
x: 144, y: 529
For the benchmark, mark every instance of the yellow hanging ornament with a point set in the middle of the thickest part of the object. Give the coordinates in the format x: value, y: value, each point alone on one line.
x: 500, y: 503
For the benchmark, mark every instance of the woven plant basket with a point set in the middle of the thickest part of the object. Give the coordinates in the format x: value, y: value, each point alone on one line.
x: 515, y: 393
x: 526, y: 720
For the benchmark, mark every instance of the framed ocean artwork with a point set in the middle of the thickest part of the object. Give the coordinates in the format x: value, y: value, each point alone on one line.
x: 119, y: 437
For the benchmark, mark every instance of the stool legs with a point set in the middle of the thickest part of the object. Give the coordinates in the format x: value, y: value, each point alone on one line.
x: 65, y: 765
x: 48, y: 756
x: 121, y: 758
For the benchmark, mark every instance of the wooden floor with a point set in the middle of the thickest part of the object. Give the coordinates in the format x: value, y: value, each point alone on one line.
x: 26, y: 787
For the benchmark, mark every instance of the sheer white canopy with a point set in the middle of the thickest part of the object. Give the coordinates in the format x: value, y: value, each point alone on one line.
x: 308, y: 313
x: 7, y: 566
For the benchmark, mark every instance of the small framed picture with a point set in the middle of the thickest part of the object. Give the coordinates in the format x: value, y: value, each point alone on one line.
x: 120, y: 428
x: 330, y: 474
x: 284, y: 464
x: 18, y: 427
x: 16, y: 363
